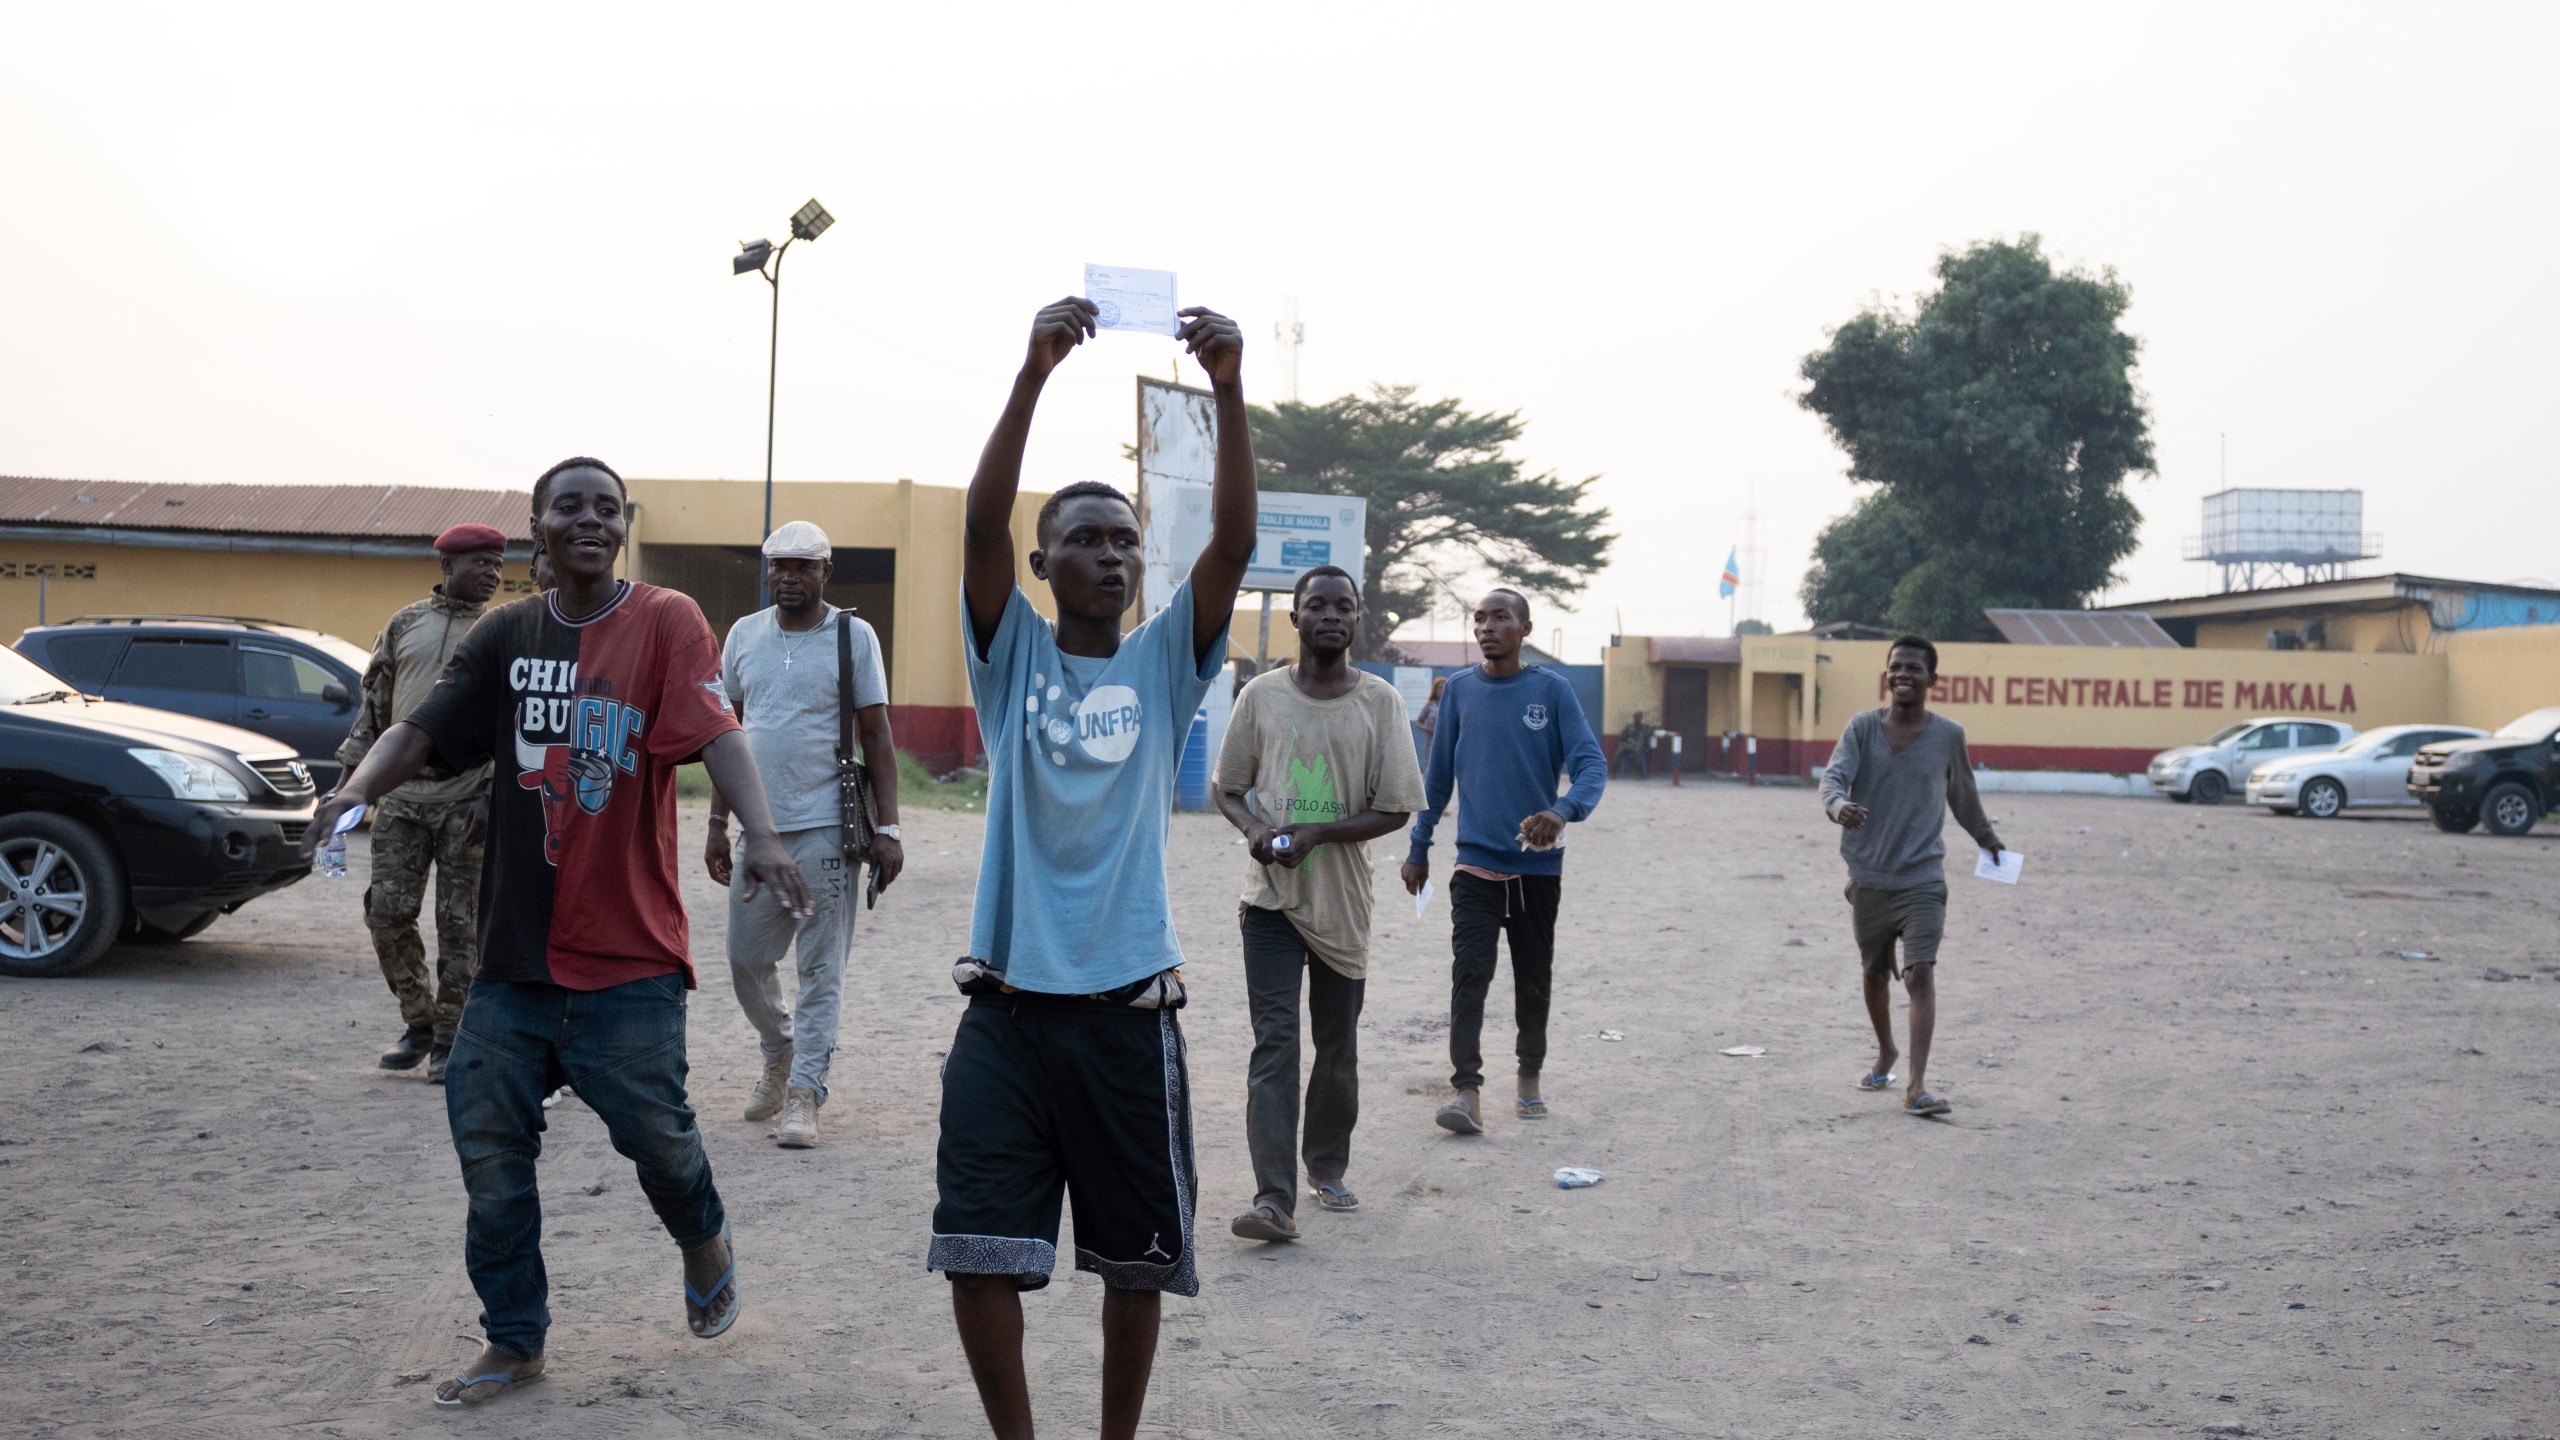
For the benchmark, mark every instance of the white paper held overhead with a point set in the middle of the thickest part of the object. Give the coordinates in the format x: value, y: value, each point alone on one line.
x: 2005, y: 869
x: 1141, y: 300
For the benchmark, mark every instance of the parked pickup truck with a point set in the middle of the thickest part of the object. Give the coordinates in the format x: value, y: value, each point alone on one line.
x: 2509, y: 780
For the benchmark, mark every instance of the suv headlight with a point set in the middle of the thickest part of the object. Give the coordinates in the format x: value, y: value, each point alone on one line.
x: 2465, y: 760
x: 191, y: 778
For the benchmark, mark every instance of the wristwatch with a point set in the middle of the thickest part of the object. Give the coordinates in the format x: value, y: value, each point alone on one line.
x: 889, y: 830
x: 719, y: 822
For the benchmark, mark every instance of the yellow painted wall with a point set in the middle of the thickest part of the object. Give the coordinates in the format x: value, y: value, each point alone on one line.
x: 350, y: 597
x: 2047, y: 695
x: 2062, y: 697
x: 2402, y: 630
x: 346, y: 596
x: 922, y: 523
x: 2497, y: 675
x: 1628, y: 683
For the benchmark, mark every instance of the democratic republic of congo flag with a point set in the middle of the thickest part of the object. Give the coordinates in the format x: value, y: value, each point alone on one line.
x: 1732, y: 576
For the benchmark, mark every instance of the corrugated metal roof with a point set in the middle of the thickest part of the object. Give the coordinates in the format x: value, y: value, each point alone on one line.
x: 2115, y: 629
x: 372, y: 511
x: 1445, y: 653
x: 1695, y: 650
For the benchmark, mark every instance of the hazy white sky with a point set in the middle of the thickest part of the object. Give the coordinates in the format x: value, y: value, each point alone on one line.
x: 450, y: 245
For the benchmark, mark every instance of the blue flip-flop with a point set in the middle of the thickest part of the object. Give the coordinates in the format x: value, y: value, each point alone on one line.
x: 468, y: 1389
x: 1925, y: 1104
x: 1877, y: 1080
x: 697, y: 1303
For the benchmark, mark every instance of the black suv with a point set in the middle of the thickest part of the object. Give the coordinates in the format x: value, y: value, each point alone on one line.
x: 2510, y: 779
x: 282, y: 681
x: 121, y: 821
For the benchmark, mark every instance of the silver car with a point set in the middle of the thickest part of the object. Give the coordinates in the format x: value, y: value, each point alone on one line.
x: 2209, y: 772
x: 2371, y: 769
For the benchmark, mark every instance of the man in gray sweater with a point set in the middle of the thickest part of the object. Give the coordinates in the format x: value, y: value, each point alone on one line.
x: 1896, y: 773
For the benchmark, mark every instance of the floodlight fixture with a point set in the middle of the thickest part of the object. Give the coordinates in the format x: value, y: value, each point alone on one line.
x: 765, y: 259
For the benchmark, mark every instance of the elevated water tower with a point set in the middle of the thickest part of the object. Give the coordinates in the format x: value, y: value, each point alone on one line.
x: 2264, y: 538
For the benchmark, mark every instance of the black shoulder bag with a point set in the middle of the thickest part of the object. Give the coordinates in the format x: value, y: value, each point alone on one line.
x: 853, y: 783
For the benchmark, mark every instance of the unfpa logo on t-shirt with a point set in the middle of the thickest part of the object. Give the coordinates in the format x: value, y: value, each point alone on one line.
x: 1535, y: 717
x: 1107, y: 723
x: 1104, y: 724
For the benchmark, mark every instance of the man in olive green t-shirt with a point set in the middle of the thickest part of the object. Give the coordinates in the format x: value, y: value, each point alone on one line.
x: 1318, y: 761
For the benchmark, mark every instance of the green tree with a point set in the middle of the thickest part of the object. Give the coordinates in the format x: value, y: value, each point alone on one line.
x: 1444, y: 498
x: 1999, y: 419
x: 1754, y: 627
x: 1858, y: 559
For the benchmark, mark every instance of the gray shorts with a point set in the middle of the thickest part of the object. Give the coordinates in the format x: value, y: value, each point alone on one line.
x: 1917, y: 917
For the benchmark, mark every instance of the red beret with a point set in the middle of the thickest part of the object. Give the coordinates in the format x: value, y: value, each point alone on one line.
x: 463, y: 539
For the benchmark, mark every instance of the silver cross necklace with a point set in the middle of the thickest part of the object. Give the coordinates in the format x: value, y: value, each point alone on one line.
x: 792, y: 647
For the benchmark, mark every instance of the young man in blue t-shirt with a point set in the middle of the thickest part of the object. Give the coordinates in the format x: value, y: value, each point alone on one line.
x: 1507, y: 730
x: 1067, y: 1075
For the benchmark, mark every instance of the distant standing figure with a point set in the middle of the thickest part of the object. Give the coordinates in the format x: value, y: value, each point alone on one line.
x: 438, y: 819
x: 1428, y: 722
x: 1507, y: 731
x: 1635, y: 742
x: 1896, y: 773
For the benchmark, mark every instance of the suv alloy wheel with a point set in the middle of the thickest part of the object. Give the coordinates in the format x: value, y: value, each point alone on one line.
x: 61, y: 895
x: 2510, y: 809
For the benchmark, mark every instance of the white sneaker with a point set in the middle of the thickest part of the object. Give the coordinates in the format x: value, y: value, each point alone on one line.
x: 765, y: 1101
x: 799, y: 1128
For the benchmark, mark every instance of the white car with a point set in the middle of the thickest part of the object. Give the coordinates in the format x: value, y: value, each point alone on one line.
x: 2208, y: 772
x: 2371, y: 769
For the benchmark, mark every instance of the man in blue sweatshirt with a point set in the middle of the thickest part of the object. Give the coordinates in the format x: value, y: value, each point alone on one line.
x: 1507, y: 732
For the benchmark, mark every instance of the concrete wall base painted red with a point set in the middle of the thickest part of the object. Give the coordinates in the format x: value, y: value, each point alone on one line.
x: 943, y: 737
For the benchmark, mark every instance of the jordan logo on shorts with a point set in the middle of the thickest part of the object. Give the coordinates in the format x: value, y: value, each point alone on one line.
x: 1155, y: 1245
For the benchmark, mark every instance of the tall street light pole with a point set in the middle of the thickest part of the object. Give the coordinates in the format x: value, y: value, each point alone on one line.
x: 761, y: 256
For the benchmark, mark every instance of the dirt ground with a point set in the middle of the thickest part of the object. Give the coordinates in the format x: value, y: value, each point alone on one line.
x: 2223, y: 1162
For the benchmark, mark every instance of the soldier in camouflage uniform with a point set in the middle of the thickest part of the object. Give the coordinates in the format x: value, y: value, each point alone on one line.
x: 434, y: 820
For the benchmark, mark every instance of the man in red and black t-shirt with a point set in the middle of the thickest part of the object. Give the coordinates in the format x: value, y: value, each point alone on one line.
x: 587, y: 697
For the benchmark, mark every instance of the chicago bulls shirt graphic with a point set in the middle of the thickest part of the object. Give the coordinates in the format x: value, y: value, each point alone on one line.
x: 587, y: 720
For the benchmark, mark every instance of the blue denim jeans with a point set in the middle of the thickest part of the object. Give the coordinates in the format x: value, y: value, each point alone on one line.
x: 623, y: 1051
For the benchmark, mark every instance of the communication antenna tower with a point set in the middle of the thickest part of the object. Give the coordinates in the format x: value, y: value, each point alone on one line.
x: 1293, y: 333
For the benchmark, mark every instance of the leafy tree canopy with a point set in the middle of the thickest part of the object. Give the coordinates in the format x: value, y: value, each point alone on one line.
x: 1753, y: 627
x: 1444, y: 499
x: 1998, y: 420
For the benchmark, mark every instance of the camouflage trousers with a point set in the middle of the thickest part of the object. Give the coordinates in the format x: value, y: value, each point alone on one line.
x: 407, y: 838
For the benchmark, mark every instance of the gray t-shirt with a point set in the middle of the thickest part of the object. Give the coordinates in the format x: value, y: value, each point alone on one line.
x: 1908, y: 797
x: 784, y: 685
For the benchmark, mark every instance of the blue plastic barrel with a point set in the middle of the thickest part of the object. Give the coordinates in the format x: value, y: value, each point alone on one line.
x: 1191, y: 781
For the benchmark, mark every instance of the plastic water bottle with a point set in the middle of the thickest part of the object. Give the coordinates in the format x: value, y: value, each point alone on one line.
x: 332, y: 858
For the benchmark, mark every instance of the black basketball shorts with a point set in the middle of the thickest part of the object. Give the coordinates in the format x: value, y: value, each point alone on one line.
x: 1049, y: 1096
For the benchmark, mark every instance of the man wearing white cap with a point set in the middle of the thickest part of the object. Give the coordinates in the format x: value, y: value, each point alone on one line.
x: 786, y: 672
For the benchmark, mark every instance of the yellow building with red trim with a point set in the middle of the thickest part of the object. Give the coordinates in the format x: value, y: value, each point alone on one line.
x: 2068, y: 707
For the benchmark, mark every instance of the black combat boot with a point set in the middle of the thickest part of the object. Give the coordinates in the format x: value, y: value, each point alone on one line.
x: 411, y: 1049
